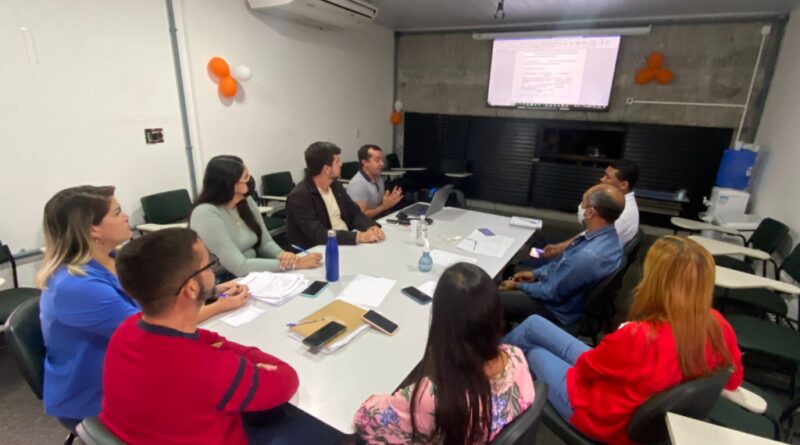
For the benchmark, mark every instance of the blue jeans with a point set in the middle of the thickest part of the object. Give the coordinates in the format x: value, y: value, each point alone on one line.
x: 550, y: 352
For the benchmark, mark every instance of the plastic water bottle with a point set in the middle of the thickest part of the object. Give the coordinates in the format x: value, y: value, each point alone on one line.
x: 332, y: 258
x: 425, y: 261
x: 422, y: 231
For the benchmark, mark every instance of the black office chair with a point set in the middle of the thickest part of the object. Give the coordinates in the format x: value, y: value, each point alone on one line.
x: 93, y: 432
x: 523, y: 429
x: 631, y: 249
x: 349, y: 169
x: 768, y: 236
x: 167, y: 207
x: 275, y: 224
x: 392, y: 161
x: 600, y: 306
x: 693, y: 399
x: 12, y: 298
x: 276, y: 186
x: 775, y: 423
x: 23, y: 332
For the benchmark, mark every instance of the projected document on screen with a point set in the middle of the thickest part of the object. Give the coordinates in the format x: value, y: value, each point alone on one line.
x: 565, y: 72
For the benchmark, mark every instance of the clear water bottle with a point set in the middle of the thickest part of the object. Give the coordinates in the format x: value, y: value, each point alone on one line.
x: 426, y: 261
x: 422, y: 231
x: 332, y: 258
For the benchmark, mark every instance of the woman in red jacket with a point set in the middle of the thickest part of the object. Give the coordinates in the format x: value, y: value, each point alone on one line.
x: 672, y: 336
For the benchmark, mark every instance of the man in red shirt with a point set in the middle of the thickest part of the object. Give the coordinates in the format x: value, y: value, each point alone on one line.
x: 168, y: 382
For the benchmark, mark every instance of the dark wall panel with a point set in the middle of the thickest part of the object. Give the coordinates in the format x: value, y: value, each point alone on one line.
x: 672, y: 158
x: 500, y: 152
x: 561, y: 186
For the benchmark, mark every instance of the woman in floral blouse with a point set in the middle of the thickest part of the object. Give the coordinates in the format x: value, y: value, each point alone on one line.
x: 464, y: 361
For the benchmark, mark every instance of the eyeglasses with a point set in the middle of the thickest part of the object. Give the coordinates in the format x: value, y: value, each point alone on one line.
x: 213, y: 262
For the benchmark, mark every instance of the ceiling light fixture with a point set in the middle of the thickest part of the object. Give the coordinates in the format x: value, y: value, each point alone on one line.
x: 630, y: 31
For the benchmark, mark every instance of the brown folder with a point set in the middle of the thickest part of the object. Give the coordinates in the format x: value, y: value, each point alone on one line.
x: 338, y: 311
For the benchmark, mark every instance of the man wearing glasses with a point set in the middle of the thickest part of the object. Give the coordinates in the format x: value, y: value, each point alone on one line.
x: 166, y: 381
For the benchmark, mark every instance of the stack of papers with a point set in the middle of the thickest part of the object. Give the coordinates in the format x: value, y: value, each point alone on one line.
x: 477, y: 242
x: 528, y: 223
x: 365, y: 290
x: 243, y: 315
x: 442, y: 258
x: 275, y: 288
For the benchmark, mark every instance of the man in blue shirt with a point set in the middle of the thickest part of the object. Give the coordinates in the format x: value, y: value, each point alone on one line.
x: 558, y: 290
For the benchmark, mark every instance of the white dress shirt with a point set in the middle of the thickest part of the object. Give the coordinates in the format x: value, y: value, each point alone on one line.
x: 628, y: 222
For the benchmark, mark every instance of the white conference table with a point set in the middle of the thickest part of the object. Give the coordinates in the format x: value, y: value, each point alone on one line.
x: 687, y: 431
x: 734, y: 279
x: 332, y: 387
x: 716, y: 247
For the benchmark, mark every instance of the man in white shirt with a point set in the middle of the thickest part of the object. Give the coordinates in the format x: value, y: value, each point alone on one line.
x: 623, y: 175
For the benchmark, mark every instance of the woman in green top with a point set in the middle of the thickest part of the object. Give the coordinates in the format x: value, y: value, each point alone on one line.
x: 231, y: 226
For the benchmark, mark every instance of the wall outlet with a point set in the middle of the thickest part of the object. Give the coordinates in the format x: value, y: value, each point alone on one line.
x: 154, y: 135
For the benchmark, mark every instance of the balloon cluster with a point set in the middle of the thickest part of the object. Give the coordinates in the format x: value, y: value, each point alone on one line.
x: 227, y: 79
x: 654, y: 71
x: 397, y: 115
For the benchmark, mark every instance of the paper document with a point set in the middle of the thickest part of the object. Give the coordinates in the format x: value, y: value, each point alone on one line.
x: 366, y: 290
x: 442, y: 258
x: 243, y: 315
x: 477, y: 242
x: 275, y: 288
x: 428, y: 287
x: 528, y: 223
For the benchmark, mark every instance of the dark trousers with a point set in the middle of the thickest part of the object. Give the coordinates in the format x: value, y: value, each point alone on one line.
x: 517, y: 306
x: 287, y: 425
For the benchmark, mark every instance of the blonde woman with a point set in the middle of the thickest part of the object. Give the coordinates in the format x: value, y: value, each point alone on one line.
x: 672, y: 336
x: 82, y: 302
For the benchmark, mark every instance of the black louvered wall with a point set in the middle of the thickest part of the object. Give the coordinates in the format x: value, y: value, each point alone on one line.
x: 671, y: 158
x: 501, y: 151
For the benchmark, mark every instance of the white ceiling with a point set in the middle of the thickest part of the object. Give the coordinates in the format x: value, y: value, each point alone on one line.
x: 409, y: 15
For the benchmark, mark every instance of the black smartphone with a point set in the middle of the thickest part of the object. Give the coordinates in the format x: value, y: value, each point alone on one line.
x: 324, y: 334
x: 402, y: 222
x: 417, y: 295
x: 380, y: 322
x: 314, y: 289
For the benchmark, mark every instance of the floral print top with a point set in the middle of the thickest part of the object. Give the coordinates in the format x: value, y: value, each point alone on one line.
x: 386, y: 419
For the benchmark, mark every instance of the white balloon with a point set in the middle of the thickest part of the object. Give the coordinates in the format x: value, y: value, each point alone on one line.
x: 242, y: 73
x: 398, y: 106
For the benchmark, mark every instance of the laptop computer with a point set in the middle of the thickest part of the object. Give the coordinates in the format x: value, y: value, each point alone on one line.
x: 437, y: 203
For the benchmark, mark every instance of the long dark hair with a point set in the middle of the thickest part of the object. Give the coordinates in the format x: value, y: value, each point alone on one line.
x: 465, y: 332
x: 222, y: 174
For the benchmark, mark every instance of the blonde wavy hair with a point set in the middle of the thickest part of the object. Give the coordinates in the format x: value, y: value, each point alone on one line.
x: 677, y: 288
x: 68, y: 218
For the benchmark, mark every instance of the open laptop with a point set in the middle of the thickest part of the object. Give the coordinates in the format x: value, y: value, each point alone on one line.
x: 437, y: 203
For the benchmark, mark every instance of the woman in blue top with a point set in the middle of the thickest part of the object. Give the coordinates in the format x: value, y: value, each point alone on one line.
x: 82, y: 302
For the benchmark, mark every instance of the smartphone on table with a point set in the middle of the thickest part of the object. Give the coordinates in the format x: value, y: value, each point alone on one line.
x: 323, y: 335
x: 416, y: 295
x: 380, y: 322
x: 314, y: 289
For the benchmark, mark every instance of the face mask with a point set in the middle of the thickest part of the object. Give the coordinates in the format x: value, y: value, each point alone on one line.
x: 581, y: 214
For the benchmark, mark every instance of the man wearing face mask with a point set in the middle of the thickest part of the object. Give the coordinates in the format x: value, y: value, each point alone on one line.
x: 558, y: 290
x: 166, y: 381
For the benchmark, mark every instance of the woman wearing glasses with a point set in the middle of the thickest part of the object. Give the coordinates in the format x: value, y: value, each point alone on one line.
x: 230, y: 225
x: 82, y: 302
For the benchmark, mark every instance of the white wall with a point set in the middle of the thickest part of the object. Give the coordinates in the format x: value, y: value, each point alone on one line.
x: 777, y: 176
x: 77, y: 92
x: 307, y: 85
x: 80, y: 88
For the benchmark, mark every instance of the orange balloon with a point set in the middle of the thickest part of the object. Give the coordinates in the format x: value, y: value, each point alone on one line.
x: 396, y: 118
x: 228, y: 86
x: 654, y: 60
x: 219, y: 67
x: 664, y: 76
x: 645, y: 75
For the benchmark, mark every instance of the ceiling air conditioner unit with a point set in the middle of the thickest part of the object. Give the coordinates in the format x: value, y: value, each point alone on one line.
x: 324, y: 14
